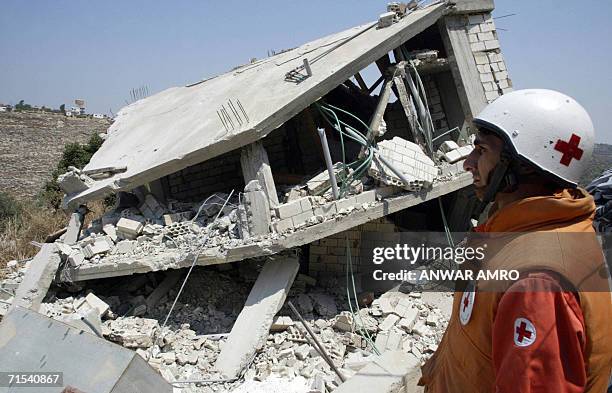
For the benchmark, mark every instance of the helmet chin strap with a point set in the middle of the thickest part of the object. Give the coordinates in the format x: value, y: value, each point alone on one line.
x: 501, y: 179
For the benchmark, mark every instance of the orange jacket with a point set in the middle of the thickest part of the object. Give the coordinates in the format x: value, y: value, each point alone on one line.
x: 531, y: 335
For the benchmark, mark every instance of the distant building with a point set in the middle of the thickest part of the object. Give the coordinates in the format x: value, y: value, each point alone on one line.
x: 98, y: 116
x: 69, y: 113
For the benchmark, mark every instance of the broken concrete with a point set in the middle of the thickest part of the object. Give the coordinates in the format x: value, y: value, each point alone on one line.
x: 87, y: 362
x: 38, y: 278
x: 385, y: 374
x: 253, y: 324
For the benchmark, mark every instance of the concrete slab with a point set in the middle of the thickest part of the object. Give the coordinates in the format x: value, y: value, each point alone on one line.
x: 182, y: 126
x: 383, y: 375
x: 31, y: 341
x: 255, y: 320
x: 38, y: 278
x: 212, y: 256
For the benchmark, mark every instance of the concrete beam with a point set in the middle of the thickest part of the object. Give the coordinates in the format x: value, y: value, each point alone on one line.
x: 472, y: 6
x: 386, y: 374
x: 212, y: 256
x: 38, y: 278
x: 463, y: 66
x: 250, y: 331
x: 256, y: 166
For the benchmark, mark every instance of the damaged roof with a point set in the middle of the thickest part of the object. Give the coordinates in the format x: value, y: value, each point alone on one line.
x: 183, y: 126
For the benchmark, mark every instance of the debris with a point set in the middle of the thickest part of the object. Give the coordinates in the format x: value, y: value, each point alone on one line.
x: 281, y: 323
x: 129, y: 228
x: 389, y: 368
x: 386, y: 19
x: 91, y: 301
x: 84, y: 359
x: 38, y: 278
x: 253, y: 324
x: 132, y: 332
x: 409, y: 159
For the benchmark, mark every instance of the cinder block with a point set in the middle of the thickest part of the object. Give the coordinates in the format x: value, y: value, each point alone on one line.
x: 489, y: 86
x: 477, y: 46
x: 481, y: 58
x: 490, y: 45
x: 487, y: 27
x: 101, y: 245
x: 447, y: 146
x: 473, y: 29
x: 326, y: 210
x: 472, y: 38
x: 282, y: 225
x: 288, y: 210
x: 488, y: 36
x: 365, y: 197
x: 491, y: 95
x: 484, y: 69
x: 345, y: 203
x: 129, y: 228
x: 503, y: 84
x: 495, y: 67
x: 488, y: 77
x: 301, y: 218
x: 501, y: 75
x: 305, y: 204
x: 502, y: 66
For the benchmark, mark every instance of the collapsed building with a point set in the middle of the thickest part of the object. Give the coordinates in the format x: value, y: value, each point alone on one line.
x: 290, y: 162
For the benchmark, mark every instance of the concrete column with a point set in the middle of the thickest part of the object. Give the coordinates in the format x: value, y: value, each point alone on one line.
x: 250, y: 330
x: 257, y: 209
x: 255, y: 166
x: 463, y: 66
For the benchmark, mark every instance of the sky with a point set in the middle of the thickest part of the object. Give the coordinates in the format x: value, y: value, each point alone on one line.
x: 52, y: 52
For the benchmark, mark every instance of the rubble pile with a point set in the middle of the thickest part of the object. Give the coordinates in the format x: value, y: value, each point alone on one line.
x: 188, y: 346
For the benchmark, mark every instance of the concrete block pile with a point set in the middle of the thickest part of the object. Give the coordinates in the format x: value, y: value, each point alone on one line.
x: 188, y: 347
x: 408, y: 158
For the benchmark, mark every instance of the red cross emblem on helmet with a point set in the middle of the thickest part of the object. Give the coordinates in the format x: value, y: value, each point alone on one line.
x: 569, y: 149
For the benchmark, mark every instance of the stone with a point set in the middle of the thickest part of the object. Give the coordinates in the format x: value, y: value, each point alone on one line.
x: 91, y: 301
x: 344, y: 322
x: 129, y: 228
x: 389, y: 322
x: 133, y: 332
x: 302, y: 352
x: 386, y: 19
x: 101, y: 245
x: 111, y: 231
x: 187, y: 358
x: 281, y: 323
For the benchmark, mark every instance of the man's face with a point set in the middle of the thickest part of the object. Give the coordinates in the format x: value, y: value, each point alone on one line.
x: 482, y: 160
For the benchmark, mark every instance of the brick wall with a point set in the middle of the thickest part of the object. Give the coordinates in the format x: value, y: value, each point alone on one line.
x: 31, y: 145
x: 329, y: 255
x: 222, y: 173
x: 487, y: 53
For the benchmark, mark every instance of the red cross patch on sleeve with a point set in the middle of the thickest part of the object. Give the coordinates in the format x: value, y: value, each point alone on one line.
x: 524, y: 332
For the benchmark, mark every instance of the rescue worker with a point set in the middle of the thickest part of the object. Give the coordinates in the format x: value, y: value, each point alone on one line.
x: 550, y: 330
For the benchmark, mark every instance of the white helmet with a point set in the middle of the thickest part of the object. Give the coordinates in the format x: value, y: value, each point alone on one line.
x: 545, y: 128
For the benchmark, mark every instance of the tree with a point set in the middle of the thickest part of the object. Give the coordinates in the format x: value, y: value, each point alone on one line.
x: 63, y: 108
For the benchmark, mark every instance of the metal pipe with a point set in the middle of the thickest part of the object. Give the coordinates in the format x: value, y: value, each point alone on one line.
x: 316, y: 341
x: 383, y: 100
x: 328, y: 162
